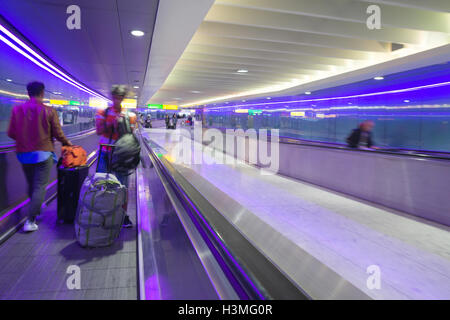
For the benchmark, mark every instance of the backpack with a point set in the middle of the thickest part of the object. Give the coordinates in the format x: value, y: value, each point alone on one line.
x: 100, y: 212
x: 127, y: 151
x: 73, y: 156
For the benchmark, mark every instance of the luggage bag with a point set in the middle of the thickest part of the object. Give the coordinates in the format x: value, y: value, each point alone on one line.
x: 100, y: 211
x: 69, y: 185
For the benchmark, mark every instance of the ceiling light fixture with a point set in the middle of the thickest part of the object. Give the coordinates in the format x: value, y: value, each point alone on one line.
x: 137, y: 33
x: 195, y: 91
x: 242, y: 71
x: 9, y: 80
x: 308, y: 92
x: 136, y: 87
x: 378, y: 78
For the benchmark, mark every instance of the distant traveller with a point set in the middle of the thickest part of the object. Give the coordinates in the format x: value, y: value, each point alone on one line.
x: 362, y: 136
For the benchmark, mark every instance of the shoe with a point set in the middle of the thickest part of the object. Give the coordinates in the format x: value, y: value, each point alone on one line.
x: 127, y: 222
x: 30, y: 226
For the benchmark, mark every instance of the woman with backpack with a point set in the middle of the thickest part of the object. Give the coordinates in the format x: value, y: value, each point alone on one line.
x: 108, y: 125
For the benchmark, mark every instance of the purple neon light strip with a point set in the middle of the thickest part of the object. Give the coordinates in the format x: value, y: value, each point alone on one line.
x: 223, y: 246
x: 23, y: 203
x: 151, y: 287
x: 26, y: 47
x: 64, y: 77
x: 23, y: 45
x: 38, y: 63
x: 429, y: 86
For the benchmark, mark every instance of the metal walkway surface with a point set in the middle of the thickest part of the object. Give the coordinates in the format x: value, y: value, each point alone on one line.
x: 35, y: 265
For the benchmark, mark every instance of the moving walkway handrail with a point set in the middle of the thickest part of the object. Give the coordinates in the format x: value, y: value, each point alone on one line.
x: 250, y: 273
x: 416, y: 153
x: 75, y: 136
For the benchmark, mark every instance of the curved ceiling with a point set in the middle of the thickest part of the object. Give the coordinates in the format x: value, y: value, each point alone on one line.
x: 288, y: 44
x: 102, y: 52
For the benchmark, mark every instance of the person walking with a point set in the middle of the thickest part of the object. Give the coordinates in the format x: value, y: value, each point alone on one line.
x: 33, y: 126
x: 362, y: 136
x: 107, y: 126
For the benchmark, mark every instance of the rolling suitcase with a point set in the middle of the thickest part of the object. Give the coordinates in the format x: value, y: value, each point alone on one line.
x: 100, y: 212
x: 70, y: 181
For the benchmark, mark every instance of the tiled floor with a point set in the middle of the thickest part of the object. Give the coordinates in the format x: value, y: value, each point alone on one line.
x: 34, y: 265
x: 345, y: 234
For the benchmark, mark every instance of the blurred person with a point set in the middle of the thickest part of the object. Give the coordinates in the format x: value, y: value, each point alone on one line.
x: 174, y: 120
x: 107, y: 125
x: 33, y: 126
x: 362, y: 136
x: 167, y: 120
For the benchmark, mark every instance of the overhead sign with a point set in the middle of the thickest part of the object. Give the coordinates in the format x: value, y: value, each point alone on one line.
x: 59, y: 102
x: 254, y: 112
x: 241, y: 110
x: 74, y: 103
x: 155, y: 106
x: 129, y: 103
x: 298, y: 114
x: 170, y: 107
x: 97, y: 103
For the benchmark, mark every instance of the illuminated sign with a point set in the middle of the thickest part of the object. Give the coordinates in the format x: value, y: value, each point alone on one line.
x: 170, y: 107
x: 254, y: 112
x: 320, y: 115
x: 59, y: 102
x: 74, y: 103
x: 129, y: 103
x: 298, y: 114
x: 241, y: 110
x: 155, y: 106
x: 97, y: 103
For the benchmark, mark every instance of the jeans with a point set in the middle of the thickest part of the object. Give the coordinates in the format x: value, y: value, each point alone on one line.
x: 37, y: 175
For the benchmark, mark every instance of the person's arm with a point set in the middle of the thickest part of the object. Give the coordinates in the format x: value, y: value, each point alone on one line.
x: 57, y: 130
x: 371, y: 143
x: 352, y: 139
x: 12, y: 126
x: 100, y: 122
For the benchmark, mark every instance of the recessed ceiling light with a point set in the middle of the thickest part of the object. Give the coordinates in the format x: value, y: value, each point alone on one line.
x: 137, y: 33
x: 9, y: 80
x: 378, y: 78
x: 308, y: 92
x: 242, y: 71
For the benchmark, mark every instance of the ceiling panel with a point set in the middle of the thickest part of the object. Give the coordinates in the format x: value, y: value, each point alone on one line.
x: 300, y: 43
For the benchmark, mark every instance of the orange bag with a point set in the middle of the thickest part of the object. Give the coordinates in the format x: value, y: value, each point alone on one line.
x: 73, y: 156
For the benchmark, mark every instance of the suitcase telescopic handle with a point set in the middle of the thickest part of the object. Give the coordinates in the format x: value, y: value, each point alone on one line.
x: 108, y: 149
